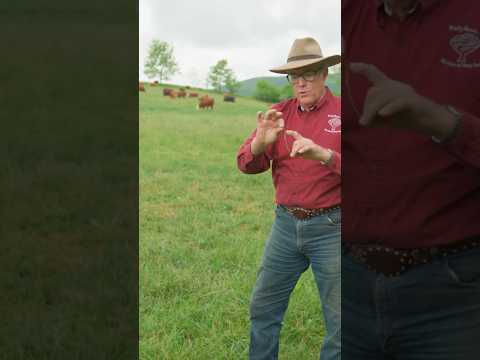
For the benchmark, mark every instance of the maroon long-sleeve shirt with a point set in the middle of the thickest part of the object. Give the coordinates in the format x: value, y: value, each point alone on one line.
x: 401, y: 188
x: 300, y: 182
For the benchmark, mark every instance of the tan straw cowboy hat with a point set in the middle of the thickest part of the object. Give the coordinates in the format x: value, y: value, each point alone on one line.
x: 306, y: 54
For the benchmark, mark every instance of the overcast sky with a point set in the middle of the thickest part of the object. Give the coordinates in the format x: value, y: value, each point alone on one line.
x: 253, y: 35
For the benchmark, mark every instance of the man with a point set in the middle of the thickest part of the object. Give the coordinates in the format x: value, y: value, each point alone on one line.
x: 300, y: 139
x: 411, y: 180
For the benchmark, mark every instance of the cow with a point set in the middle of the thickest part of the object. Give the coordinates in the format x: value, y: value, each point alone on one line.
x: 173, y: 94
x: 181, y: 93
x: 193, y: 95
x: 229, y: 98
x: 205, y: 102
x: 167, y: 91
x: 141, y: 87
x: 153, y: 84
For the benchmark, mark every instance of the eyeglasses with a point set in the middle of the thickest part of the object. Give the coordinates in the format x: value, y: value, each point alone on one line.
x: 308, y: 76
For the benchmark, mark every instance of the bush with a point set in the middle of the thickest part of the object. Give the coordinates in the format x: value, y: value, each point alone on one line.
x: 266, y: 92
x: 286, y: 92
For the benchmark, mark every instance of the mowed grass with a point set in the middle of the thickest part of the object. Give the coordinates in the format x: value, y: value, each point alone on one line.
x: 203, y: 226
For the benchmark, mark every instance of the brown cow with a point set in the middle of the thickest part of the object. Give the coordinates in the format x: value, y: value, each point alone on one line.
x: 193, y: 95
x: 167, y: 91
x: 173, y: 94
x: 205, y: 102
x: 229, y: 98
x: 181, y: 93
x: 141, y: 87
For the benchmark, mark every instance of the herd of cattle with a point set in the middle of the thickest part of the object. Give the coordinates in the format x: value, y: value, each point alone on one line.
x: 204, y: 102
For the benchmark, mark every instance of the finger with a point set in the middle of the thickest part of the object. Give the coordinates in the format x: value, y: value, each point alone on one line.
x: 274, y: 109
x: 303, y: 149
x: 277, y: 131
x: 270, y: 114
x: 281, y: 123
x: 371, y: 72
x: 373, y: 103
x: 295, y: 147
x: 276, y: 116
x: 260, y: 116
x: 294, y: 150
x: 393, y: 108
x: 294, y: 134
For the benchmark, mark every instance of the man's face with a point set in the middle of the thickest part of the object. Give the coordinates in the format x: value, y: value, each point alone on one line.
x: 308, y: 86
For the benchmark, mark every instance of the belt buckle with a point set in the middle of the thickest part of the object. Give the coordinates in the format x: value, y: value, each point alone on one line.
x: 300, y: 214
x: 384, y: 260
x: 389, y: 261
x: 304, y: 214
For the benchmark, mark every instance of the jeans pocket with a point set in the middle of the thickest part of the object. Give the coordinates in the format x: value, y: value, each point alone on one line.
x: 464, y: 268
x: 334, y: 218
x: 279, y: 210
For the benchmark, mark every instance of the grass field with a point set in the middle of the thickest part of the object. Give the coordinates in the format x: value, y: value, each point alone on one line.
x: 68, y: 189
x: 203, y: 225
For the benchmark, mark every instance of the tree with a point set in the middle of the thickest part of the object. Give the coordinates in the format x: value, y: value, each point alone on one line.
x: 266, y: 92
x: 221, y: 78
x: 231, y: 83
x: 160, y: 61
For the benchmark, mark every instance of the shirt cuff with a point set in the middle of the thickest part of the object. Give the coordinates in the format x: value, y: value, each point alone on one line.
x: 465, y: 135
x: 248, y: 157
x: 453, y: 134
x: 335, y: 163
x: 330, y: 159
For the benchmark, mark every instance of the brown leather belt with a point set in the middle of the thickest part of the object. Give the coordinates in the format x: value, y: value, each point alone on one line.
x: 393, y: 262
x: 305, y: 214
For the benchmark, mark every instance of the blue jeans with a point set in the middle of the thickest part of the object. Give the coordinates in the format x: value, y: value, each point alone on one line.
x: 431, y: 312
x: 292, y: 247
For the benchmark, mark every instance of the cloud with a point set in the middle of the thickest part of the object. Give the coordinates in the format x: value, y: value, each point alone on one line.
x: 252, y: 35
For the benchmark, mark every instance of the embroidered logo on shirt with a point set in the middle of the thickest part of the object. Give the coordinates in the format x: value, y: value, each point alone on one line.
x: 335, y: 123
x: 464, y: 43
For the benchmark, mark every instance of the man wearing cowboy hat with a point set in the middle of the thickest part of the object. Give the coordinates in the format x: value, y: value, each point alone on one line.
x: 300, y: 139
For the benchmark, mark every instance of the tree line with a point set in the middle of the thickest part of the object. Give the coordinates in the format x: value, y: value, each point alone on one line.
x: 161, y: 64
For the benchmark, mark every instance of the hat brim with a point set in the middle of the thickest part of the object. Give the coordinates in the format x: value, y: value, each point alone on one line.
x: 308, y: 63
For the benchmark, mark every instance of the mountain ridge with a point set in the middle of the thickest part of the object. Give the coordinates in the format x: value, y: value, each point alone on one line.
x: 248, y: 86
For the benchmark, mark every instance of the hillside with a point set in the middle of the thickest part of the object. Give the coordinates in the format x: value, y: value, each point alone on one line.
x: 248, y: 86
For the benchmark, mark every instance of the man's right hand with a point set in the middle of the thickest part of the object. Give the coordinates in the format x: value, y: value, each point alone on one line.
x: 397, y: 104
x: 269, y: 126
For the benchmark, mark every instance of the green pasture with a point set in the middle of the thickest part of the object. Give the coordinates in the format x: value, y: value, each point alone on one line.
x: 203, y: 225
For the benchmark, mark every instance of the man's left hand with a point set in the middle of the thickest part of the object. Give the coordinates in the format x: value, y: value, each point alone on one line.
x: 307, y: 149
x: 393, y: 103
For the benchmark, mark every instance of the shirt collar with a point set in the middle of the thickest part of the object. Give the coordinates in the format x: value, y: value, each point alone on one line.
x: 326, y: 96
x: 424, y: 4
x: 388, y: 11
x: 311, y: 108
